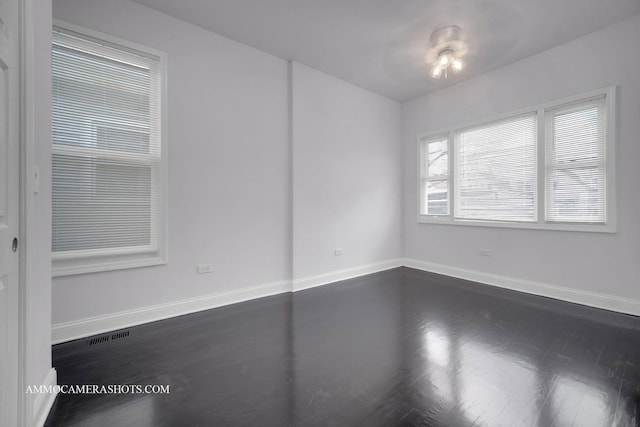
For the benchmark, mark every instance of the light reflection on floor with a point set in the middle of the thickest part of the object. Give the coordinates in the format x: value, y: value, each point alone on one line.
x: 500, y: 388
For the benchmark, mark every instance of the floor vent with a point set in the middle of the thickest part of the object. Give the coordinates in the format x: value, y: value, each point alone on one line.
x: 119, y: 335
x: 98, y: 340
x: 102, y: 339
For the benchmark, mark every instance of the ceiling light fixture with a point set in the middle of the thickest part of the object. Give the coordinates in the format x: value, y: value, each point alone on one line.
x: 446, y: 42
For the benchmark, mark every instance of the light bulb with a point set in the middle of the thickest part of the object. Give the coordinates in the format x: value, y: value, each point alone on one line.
x: 444, y: 59
x: 436, y: 72
x: 456, y: 64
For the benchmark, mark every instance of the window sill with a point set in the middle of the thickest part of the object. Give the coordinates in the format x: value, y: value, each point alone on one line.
x: 586, y: 228
x: 69, y: 267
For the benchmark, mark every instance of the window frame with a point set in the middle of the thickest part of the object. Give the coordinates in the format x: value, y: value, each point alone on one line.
x: 541, y: 111
x: 108, y: 259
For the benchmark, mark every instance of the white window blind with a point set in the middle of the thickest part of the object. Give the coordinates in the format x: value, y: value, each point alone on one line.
x: 435, y: 176
x: 496, y: 171
x: 575, y: 162
x: 106, y: 148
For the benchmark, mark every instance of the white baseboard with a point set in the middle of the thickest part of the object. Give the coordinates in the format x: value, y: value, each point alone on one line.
x: 593, y: 299
x: 96, y: 325
x: 348, y: 273
x: 82, y: 328
x: 68, y: 331
x: 43, y: 402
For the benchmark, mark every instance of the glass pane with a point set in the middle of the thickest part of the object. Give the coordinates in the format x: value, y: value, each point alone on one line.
x: 579, y: 135
x: 497, y: 171
x: 100, y: 103
x: 577, y: 195
x: 438, y: 158
x: 100, y: 204
x: 437, y: 197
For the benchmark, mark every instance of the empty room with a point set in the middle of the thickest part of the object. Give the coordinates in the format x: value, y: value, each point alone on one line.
x: 320, y: 213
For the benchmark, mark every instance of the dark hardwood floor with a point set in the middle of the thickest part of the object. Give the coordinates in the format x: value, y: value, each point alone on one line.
x: 397, y: 348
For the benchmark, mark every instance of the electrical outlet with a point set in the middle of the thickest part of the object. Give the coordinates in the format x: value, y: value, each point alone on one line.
x: 337, y: 251
x: 203, y: 268
x: 485, y: 252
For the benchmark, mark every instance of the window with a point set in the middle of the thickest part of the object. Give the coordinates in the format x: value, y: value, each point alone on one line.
x: 435, y: 183
x: 549, y: 167
x: 576, y: 167
x: 109, y: 163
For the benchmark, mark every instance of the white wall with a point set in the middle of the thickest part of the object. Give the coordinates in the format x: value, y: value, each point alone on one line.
x: 603, y: 263
x: 228, y: 166
x: 346, y: 175
x: 253, y: 144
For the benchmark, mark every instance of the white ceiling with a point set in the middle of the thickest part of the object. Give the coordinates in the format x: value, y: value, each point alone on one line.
x: 380, y: 44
